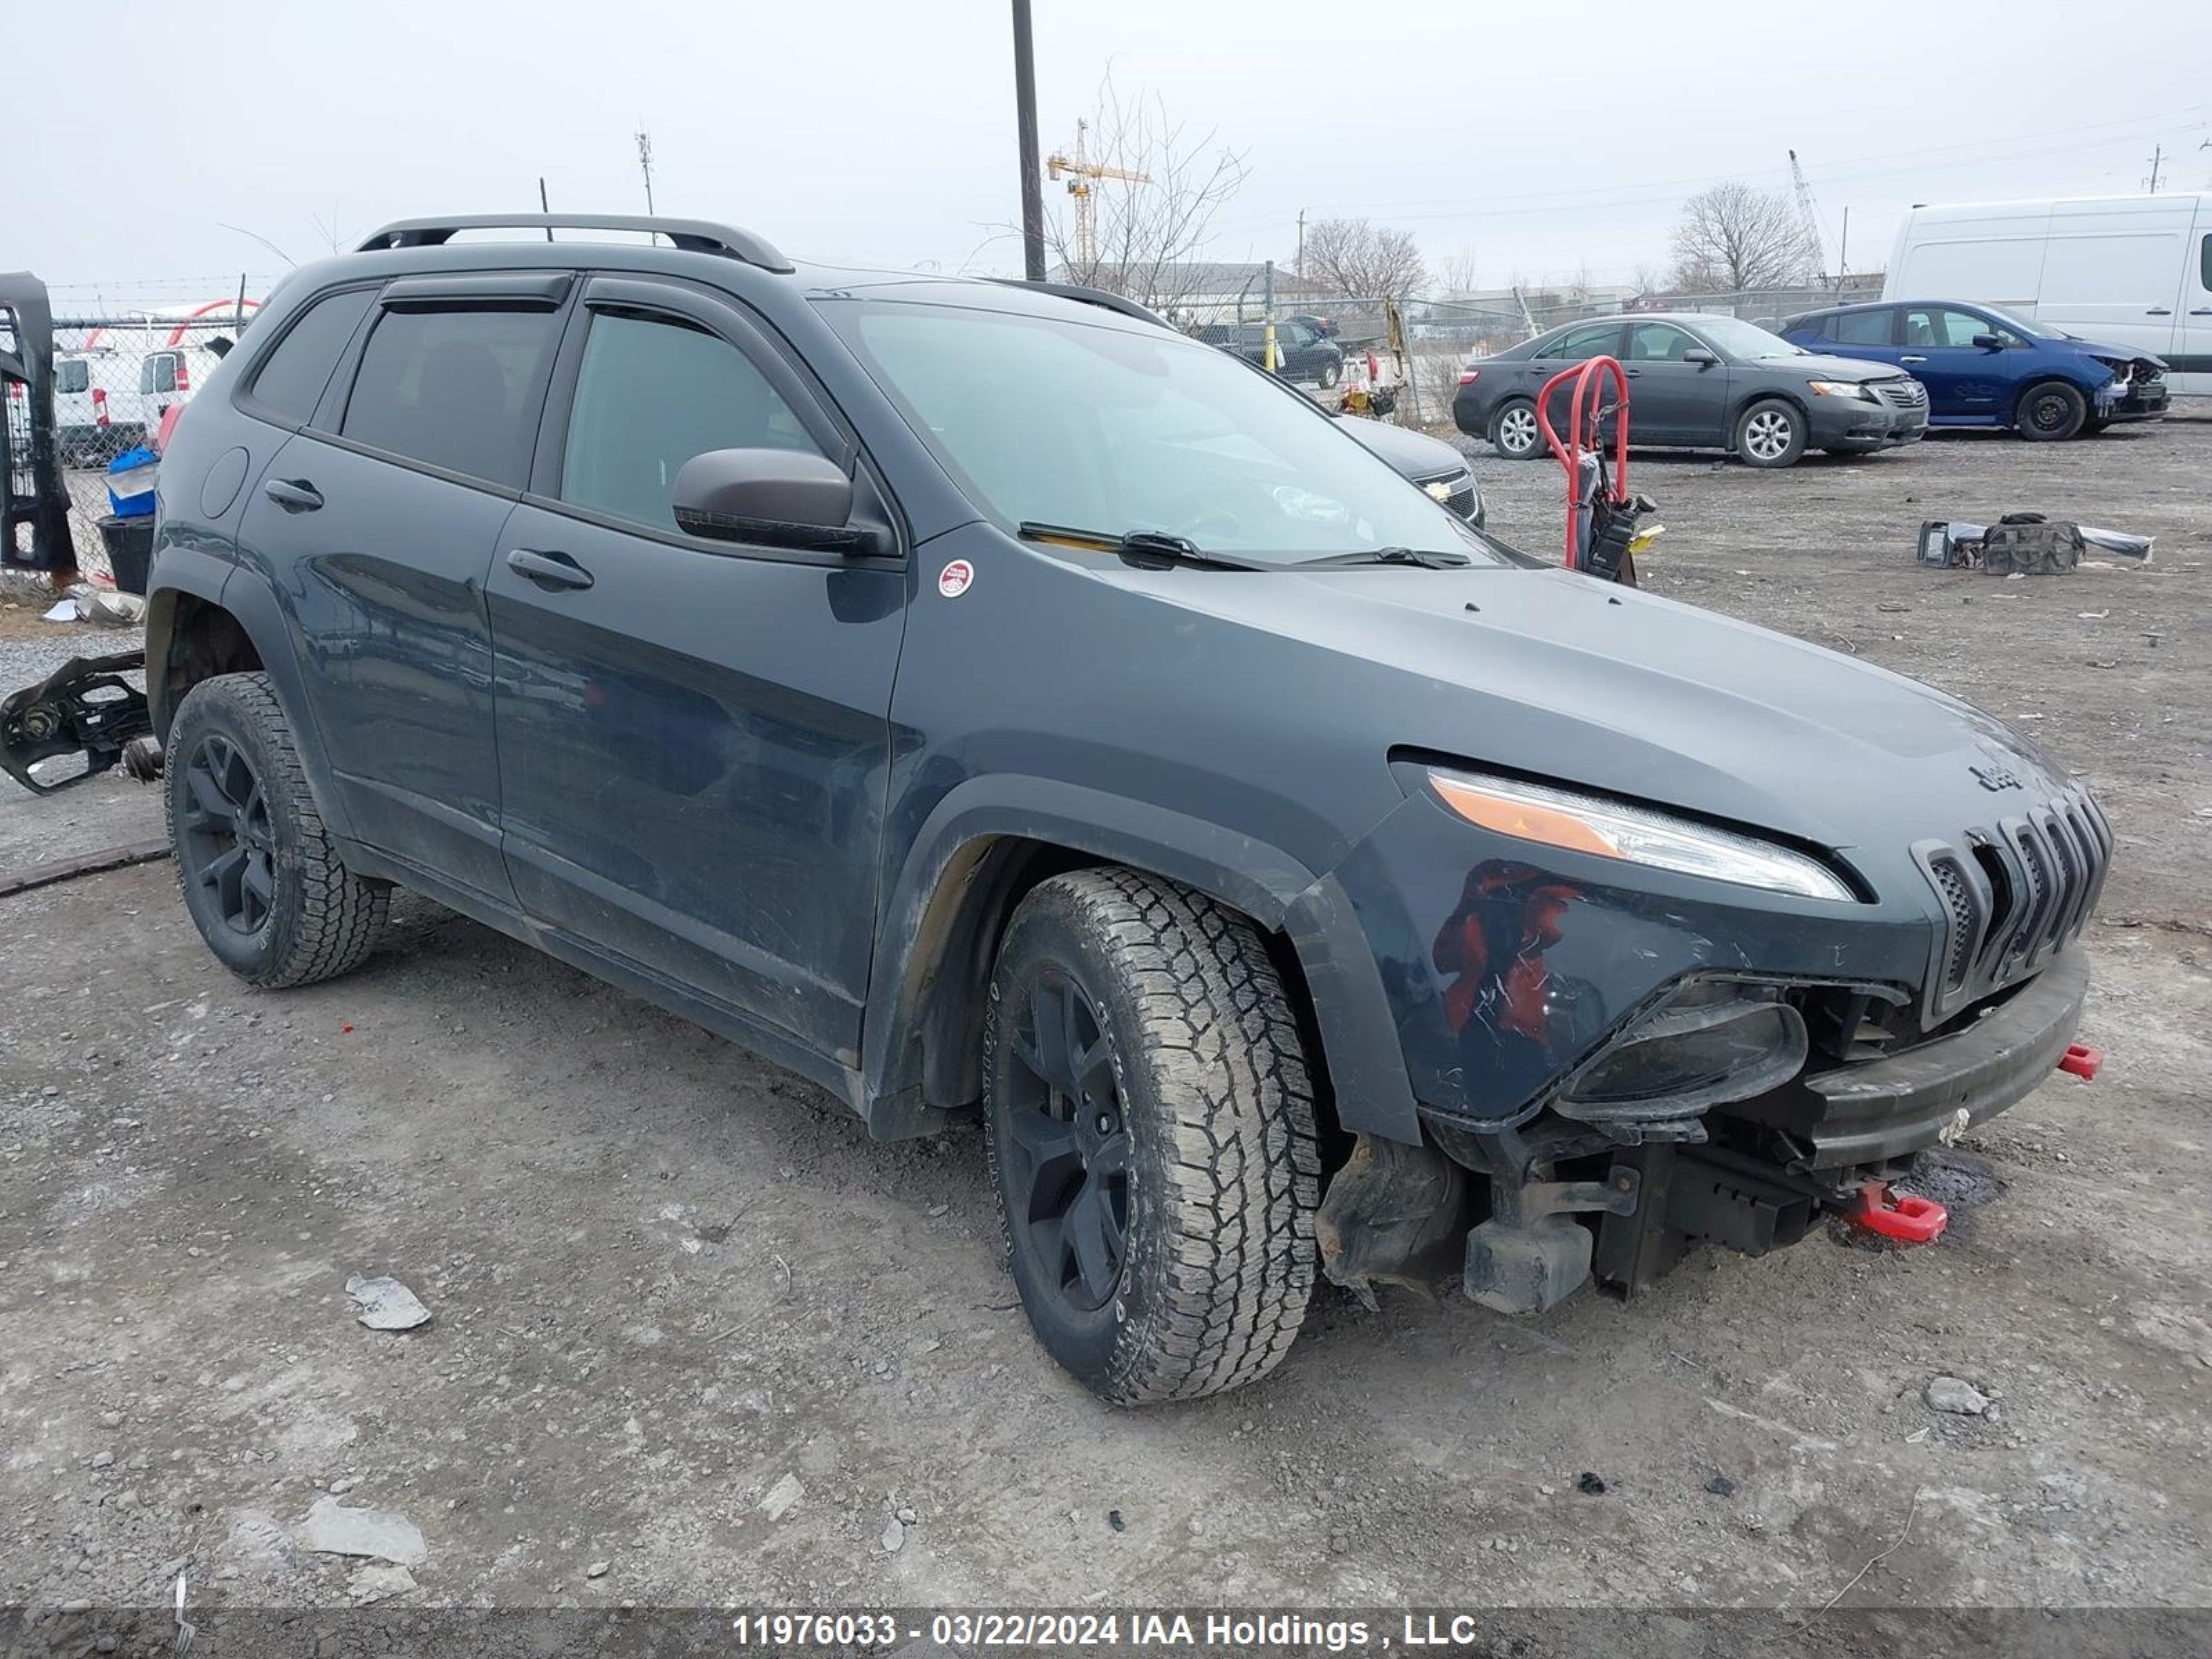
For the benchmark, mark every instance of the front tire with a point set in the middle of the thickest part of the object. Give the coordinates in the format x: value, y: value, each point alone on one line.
x: 261, y: 878
x: 1331, y: 373
x: 1770, y: 434
x: 1514, y: 433
x: 1151, y: 1131
x: 2051, y: 411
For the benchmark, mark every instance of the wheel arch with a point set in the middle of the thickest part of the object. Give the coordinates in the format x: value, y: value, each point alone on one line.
x: 994, y: 840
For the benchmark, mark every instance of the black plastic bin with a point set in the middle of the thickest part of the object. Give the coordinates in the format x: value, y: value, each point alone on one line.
x: 130, y: 543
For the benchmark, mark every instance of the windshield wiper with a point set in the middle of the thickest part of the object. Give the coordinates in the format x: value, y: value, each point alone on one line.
x: 1424, y: 557
x: 1147, y: 549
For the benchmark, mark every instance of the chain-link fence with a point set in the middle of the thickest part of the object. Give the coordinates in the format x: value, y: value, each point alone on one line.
x: 115, y: 377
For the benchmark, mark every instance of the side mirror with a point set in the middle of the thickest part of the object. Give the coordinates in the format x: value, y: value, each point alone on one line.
x: 782, y: 497
x: 1989, y: 341
x: 1700, y: 356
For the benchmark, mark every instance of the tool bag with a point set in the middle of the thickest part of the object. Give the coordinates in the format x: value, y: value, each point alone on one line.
x: 2029, y: 544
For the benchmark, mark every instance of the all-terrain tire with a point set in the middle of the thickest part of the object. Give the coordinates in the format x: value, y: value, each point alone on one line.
x: 2050, y: 411
x: 1223, y: 1162
x: 319, y: 919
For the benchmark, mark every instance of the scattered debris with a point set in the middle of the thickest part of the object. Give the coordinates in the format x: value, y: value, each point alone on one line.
x: 1955, y: 1395
x: 333, y: 1529
x: 385, y: 1304
x: 1114, y: 1520
x: 782, y: 1498
x: 894, y: 1535
x: 1720, y: 1486
x: 258, y: 1540
x: 599, y: 1569
x: 1589, y: 1485
x: 65, y: 610
x: 378, y: 1583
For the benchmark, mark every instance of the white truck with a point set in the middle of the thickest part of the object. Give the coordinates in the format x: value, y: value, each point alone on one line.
x: 2135, y: 271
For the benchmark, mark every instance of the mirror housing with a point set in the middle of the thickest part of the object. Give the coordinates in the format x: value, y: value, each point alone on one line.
x: 1989, y: 341
x: 779, y: 497
x: 1700, y: 356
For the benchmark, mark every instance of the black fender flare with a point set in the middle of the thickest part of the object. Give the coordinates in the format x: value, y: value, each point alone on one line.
x: 252, y: 604
x: 921, y: 920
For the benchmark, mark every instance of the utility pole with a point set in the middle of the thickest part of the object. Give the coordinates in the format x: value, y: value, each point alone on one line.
x: 645, y: 165
x: 2157, y: 156
x: 1267, y: 320
x: 1025, y: 128
x: 1843, y: 251
x: 1302, y: 244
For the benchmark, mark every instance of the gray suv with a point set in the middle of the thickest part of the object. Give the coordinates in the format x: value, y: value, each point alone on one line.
x: 986, y: 699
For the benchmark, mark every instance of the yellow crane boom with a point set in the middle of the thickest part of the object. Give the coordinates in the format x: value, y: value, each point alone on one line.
x: 1081, y: 172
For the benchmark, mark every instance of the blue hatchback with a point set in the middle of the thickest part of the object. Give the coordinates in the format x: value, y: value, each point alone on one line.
x: 1985, y: 367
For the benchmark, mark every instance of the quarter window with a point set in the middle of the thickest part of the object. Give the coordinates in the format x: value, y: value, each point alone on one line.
x: 458, y: 389
x: 652, y: 393
x: 291, y: 380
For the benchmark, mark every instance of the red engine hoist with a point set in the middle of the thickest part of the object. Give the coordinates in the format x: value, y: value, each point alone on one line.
x: 1603, y: 535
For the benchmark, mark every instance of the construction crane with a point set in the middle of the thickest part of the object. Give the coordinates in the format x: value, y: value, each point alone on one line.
x: 1081, y: 173
x: 1805, y: 212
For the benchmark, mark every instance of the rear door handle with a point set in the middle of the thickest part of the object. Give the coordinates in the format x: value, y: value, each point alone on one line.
x: 548, y: 569
x: 2202, y: 311
x: 292, y: 495
x: 1910, y: 359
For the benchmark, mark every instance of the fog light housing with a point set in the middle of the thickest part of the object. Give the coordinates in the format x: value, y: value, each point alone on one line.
x: 1714, y: 1040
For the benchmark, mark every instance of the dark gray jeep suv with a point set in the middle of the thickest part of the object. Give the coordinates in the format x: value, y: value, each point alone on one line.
x: 973, y: 696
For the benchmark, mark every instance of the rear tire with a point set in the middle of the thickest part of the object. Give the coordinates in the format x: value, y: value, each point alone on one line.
x: 1152, y: 1130
x: 1514, y: 433
x: 1330, y: 374
x: 1770, y: 434
x: 261, y: 878
x: 2050, y: 411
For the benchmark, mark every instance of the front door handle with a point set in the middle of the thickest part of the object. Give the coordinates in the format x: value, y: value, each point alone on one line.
x: 1632, y: 373
x: 292, y: 495
x: 1911, y: 359
x: 548, y: 569
x: 2160, y: 311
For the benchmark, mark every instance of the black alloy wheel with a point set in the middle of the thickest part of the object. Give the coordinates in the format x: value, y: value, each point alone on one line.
x: 1066, y: 1145
x: 226, y: 842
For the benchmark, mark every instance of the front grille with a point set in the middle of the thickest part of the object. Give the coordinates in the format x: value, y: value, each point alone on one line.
x: 2020, y: 891
x: 1460, y: 488
x: 1903, y: 393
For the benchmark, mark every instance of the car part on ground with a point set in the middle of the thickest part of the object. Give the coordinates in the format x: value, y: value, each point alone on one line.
x: 1701, y: 382
x: 34, y: 529
x: 1326, y: 824
x: 1957, y: 544
x: 85, y: 708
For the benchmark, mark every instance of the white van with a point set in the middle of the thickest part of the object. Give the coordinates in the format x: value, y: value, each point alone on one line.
x: 2127, y: 271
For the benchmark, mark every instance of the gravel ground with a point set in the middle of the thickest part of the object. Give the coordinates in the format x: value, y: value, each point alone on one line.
x: 670, y: 1285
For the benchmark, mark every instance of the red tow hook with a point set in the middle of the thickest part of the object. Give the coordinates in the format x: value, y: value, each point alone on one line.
x: 1912, y: 1220
x: 2083, y: 1060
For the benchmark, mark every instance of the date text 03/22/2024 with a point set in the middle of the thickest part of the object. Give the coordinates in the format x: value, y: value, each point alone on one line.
x: 1078, y: 1631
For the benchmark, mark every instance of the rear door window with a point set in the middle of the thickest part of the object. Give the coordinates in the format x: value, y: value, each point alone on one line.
x: 1586, y: 340
x: 157, y: 371
x: 1940, y: 326
x: 291, y: 380
x: 1658, y: 342
x: 458, y: 388
x: 1861, y: 328
x: 72, y: 375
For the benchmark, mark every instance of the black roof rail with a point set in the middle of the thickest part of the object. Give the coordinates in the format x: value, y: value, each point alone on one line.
x: 1092, y: 296
x: 692, y: 236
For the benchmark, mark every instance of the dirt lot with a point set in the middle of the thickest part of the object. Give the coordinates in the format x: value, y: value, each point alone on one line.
x: 666, y: 1276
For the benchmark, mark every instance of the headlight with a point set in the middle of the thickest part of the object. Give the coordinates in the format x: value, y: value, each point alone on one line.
x: 1841, y: 389
x: 1613, y: 829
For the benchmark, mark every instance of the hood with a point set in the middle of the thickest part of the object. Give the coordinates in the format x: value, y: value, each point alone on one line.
x: 2097, y: 349
x: 1557, y: 677
x: 1819, y: 366
x: 1414, y: 453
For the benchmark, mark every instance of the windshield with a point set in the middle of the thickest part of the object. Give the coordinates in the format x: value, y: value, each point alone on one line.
x: 1741, y: 339
x: 1117, y: 429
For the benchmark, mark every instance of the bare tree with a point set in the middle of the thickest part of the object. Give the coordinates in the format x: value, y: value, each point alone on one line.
x: 1732, y: 237
x: 1145, y: 235
x: 1458, y: 273
x: 1361, y: 260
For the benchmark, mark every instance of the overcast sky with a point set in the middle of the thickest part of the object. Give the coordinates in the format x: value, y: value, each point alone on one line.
x: 881, y: 131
